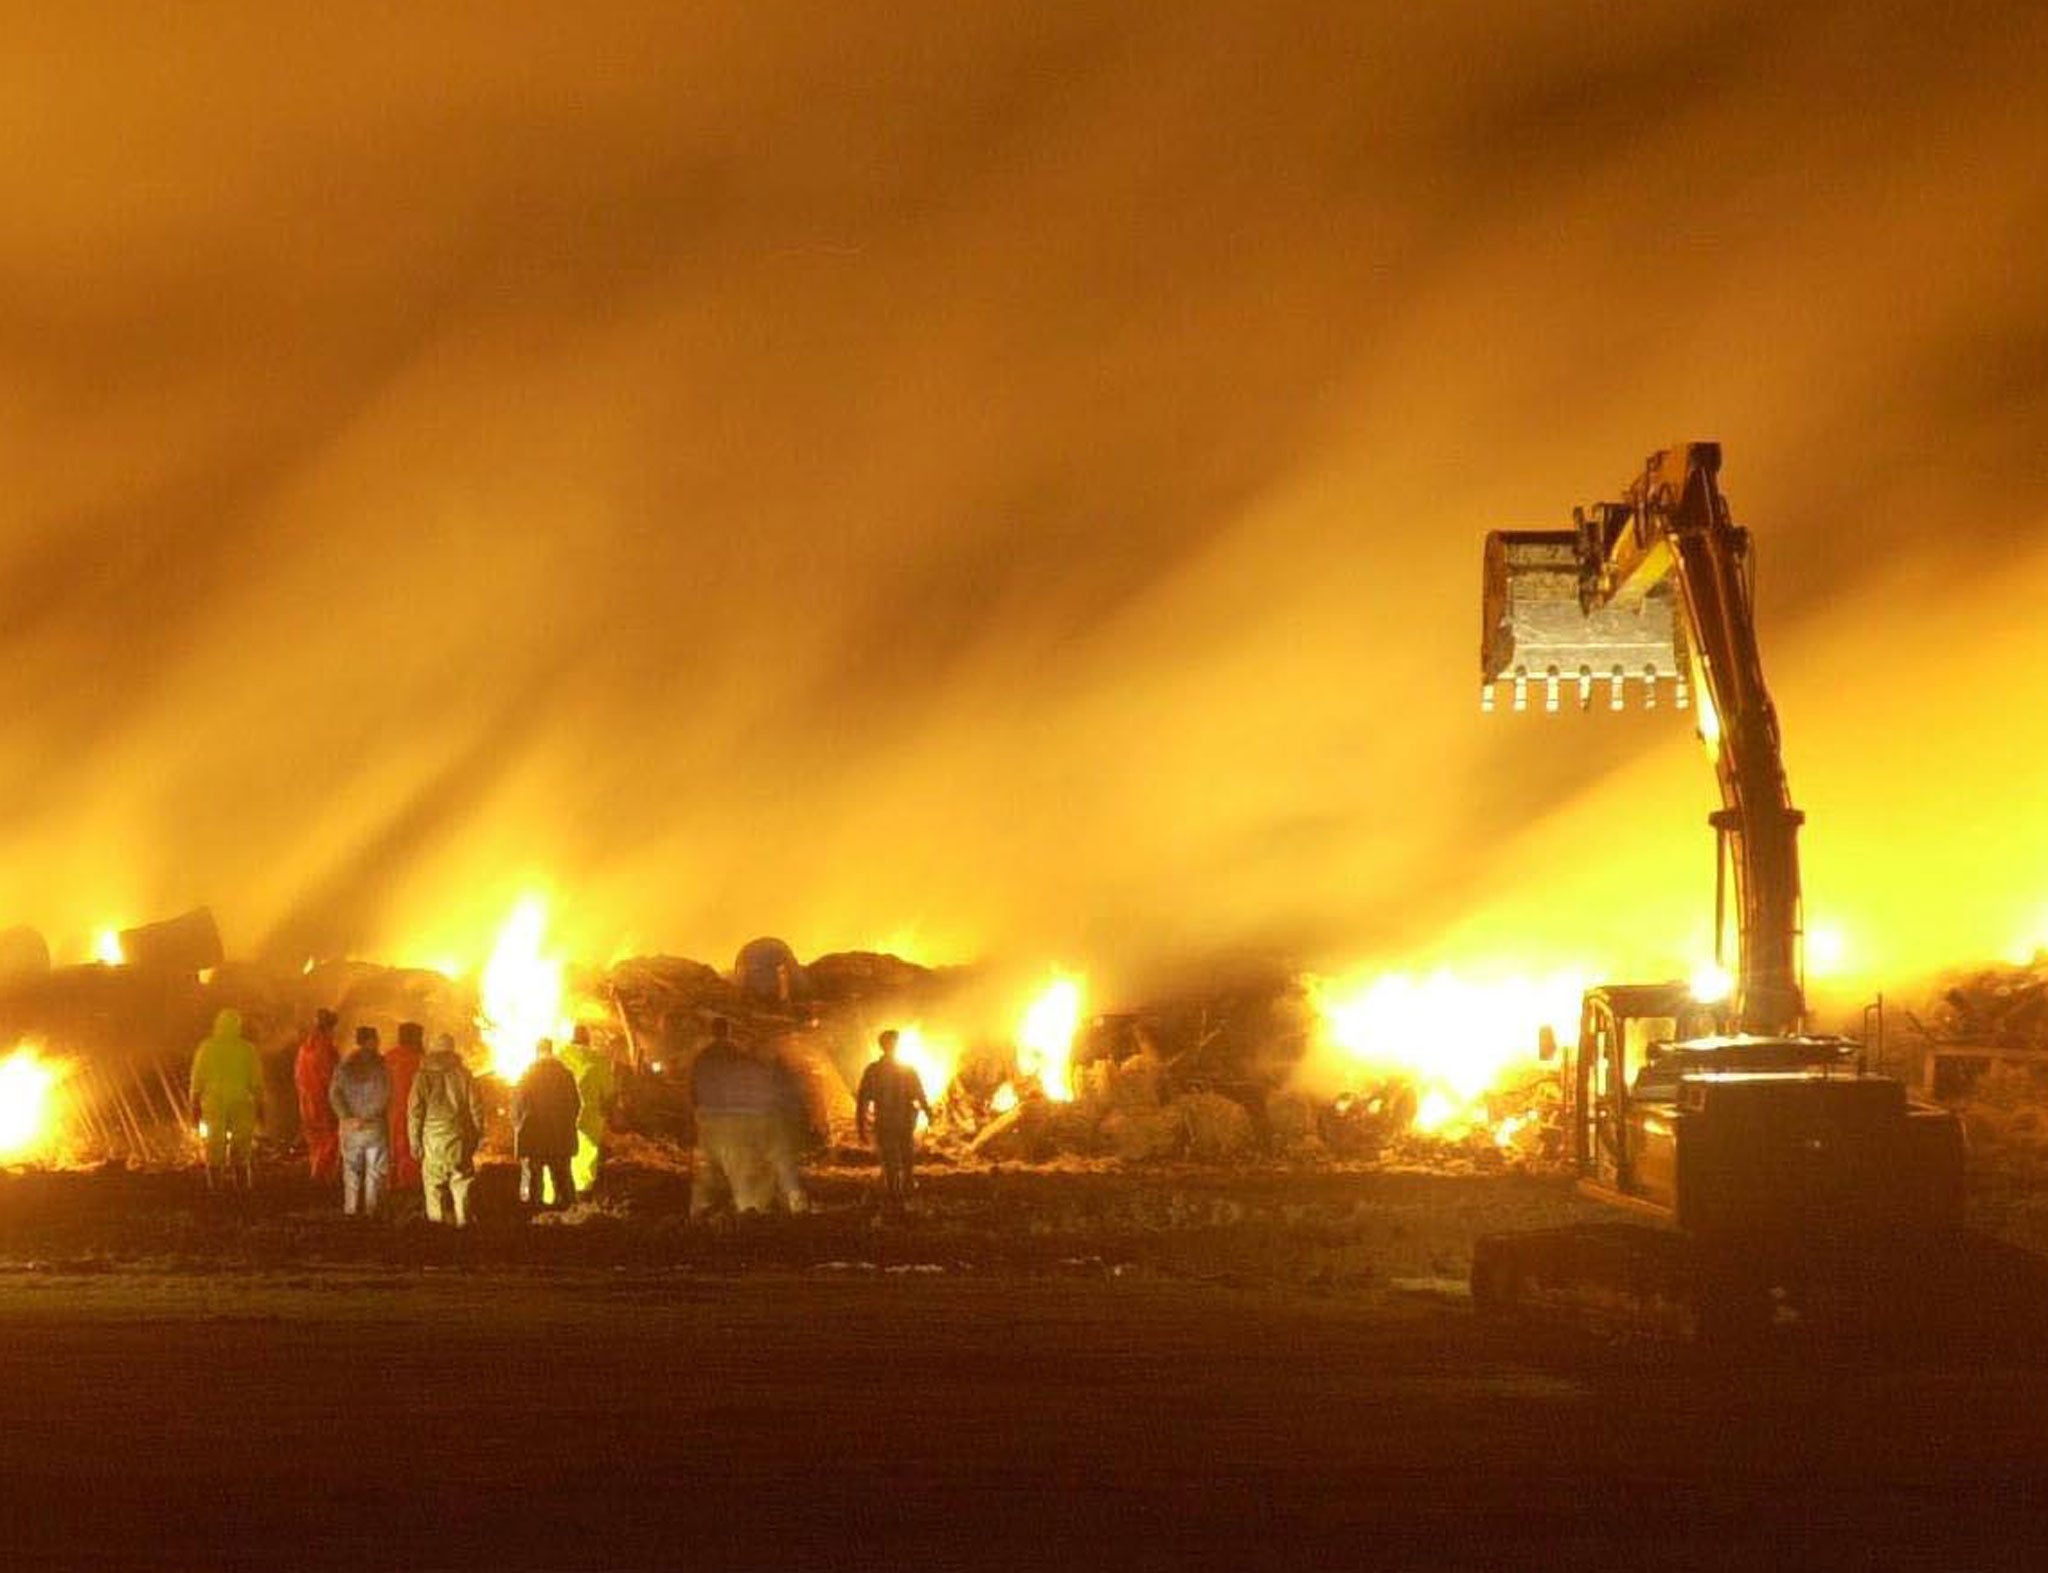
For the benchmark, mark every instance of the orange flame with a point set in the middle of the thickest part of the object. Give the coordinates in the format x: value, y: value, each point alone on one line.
x: 28, y: 1103
x: 1045, y: 1037
x: 520, y: 994
x: 1455, y: 1039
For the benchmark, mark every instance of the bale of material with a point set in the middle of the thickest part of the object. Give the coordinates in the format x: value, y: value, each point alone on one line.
x: 1219, y: 1129
x: 387, y: 996
x: 1138, y: 1083
x: 652, y: 984
x: 189, y: 942
x: 1144, y: 1135
x: 24, y: 953
x: 826, y: 1097
x: 1291, y: 1117
x: 767, y: 971
x: 1038, y: 1130
x: 850, y: 975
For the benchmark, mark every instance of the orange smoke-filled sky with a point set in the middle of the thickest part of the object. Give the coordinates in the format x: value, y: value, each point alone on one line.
x: 997, y: 479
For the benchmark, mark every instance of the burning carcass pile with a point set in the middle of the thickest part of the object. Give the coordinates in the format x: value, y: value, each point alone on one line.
x: 1250, y: 1060
x: 1982, y: 1044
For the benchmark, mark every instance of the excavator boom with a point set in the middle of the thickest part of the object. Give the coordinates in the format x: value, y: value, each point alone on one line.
x: 1651, y: 595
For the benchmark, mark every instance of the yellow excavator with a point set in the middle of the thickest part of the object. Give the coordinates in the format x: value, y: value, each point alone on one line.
x: 1762, y: 1163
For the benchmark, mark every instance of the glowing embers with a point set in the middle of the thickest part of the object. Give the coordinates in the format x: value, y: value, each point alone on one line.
x: 28, y: 1103
x: 520, y: 994
x: 1455, y: 1041
x: 1045, y: 1038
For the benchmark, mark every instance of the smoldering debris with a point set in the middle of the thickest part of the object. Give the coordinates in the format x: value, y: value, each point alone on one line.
x: 1202, y: 1071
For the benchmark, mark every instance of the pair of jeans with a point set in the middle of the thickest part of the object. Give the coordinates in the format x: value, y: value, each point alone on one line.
x: 365, y: 1166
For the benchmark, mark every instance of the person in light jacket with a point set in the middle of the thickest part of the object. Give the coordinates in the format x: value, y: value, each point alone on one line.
x: 361, y: 1099
x: 444, y: 1123
x: 225, y: 1092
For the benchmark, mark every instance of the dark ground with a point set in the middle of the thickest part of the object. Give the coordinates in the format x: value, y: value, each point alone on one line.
x: 1091, y: 1369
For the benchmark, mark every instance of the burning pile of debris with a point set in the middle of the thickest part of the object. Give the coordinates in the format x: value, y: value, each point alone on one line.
x: 1982, y: 1044
x: 2003, y: 1007
x: 1243, y: 1061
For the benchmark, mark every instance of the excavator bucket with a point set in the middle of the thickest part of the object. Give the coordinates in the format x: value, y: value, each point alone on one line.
x: 1536, y: 628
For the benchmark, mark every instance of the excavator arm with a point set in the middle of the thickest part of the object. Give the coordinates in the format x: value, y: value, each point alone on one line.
x: 1653, y: 594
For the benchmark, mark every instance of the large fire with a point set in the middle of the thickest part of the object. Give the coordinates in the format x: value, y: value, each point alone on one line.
x: 520, y: 996
x: 935, y: 1059
x: 28, y: 1102
x: 1045, y: 1038
x: 1455, y: 1040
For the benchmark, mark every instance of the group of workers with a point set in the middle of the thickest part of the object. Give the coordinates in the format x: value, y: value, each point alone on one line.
x: 383, y: 1120
x: 380, y: 1120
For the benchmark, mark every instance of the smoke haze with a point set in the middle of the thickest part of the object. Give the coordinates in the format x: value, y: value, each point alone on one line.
x: 998, y: 479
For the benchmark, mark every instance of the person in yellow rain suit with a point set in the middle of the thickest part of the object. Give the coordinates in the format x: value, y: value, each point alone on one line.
x: 226, y: 1099
x: 597, y: 1084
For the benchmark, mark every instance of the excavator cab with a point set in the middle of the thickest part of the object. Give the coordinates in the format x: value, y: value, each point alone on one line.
x: 1624, y: 1032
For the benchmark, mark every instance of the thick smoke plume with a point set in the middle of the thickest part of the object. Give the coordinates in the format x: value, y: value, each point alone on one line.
x: 1003, y: 478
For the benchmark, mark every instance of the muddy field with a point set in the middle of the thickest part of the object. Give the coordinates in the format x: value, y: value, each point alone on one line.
x: 1189, y: 1368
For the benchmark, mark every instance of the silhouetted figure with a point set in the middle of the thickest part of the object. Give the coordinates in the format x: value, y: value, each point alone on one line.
x: 544, y: 1109
x: 895, y: 1093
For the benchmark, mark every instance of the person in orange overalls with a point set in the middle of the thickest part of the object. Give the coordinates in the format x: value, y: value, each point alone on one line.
x: 313, y: 1072
x: 403, y: 1063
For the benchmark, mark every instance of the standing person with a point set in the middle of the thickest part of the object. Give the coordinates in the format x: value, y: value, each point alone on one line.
x: 544, y: 1110
x: 225, y: 1093
x: 741, y: 1111
x: 361, y: 1096
x: 444, y: 1123
x: 896, y: 1094
x: 790, y: 1134
x: 597, y: 1089
x: 313, y: 1073
x: 401, y: 1065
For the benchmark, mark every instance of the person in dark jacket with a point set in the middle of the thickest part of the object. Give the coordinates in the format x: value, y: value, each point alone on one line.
x: 741, y: 1100
x: 545, y: 1105
x: 895, y: 1093
x: 361, y: 1098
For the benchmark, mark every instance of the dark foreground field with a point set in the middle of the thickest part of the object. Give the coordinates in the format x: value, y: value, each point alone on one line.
x: 1103, y: 1375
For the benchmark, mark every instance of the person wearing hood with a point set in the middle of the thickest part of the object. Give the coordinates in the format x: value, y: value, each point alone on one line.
x: 444, y: 1123
x: 544, y: 1110
x: 361, y: 1098
x: 597, y: 1088
x: 313, y: 1073
x: 401, y: 1065
x: 225, y: 1094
